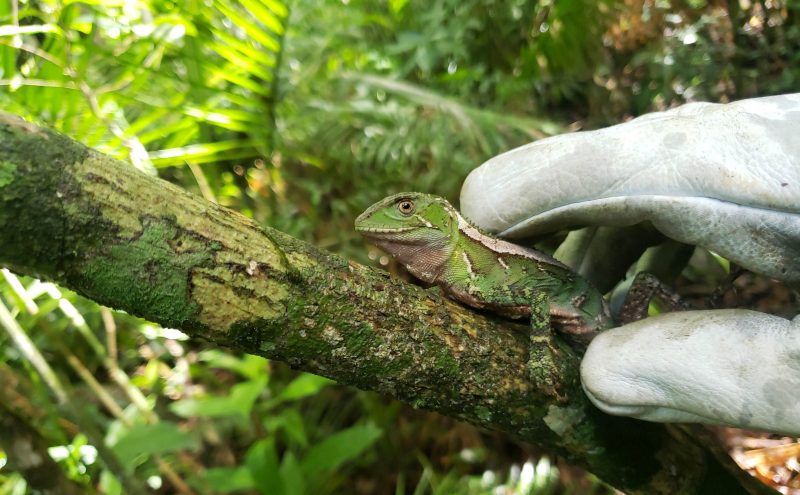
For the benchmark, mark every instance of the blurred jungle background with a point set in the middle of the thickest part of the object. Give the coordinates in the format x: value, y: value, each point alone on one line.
x: 300, y: 114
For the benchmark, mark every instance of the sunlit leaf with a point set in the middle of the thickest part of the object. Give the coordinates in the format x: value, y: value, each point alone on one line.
x: 262, y: 13
x: 247, y: 365
x: 253, y: 30
x: 303, y: 386
x: 203, y: 153
x: 339, y: 448
x: 11, y: 30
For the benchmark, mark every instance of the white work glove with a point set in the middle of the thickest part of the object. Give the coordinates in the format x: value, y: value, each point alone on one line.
x: 724, y: 177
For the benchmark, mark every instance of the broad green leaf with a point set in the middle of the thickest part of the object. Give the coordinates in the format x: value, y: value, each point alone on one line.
x: 303, y: 386
x: 149, y: 439
x: 397, y: 5
x: 249, y: 365
x: 226, y: 479
x: 109, y: 484
x: 291, y: 422
x: 239, y: 401
x: 339, y: 448
x: 262, y: 461
x: 293, y: 478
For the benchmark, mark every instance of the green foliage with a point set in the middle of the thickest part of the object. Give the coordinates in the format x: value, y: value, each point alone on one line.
x: 266, y: 472
x: 238, y: 401
x: 302, y: 386
x: 145, y: 440
x: 338, y: 448
x: 262, y: 462
x: 158, y: 83
x: 300, y: 114
x: 6, y: 173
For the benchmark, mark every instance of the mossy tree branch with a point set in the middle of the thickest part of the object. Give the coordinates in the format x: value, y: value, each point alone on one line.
x: 134, y: 242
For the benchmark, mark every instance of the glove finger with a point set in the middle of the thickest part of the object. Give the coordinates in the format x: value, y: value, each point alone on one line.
x: 730, y: 367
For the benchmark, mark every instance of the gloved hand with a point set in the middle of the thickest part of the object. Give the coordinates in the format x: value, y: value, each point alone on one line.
x: 725, y: 177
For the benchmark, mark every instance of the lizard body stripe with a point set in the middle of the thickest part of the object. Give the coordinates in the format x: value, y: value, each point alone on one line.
x: 500, y: 246
x: 468, y: 262
x: 502, y: 263
x: 423, y: 220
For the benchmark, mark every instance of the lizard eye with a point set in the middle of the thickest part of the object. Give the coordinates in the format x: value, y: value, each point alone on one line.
x: 406, y: 207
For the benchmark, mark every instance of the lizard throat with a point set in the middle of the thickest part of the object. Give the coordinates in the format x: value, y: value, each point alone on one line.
x: 421, y: 258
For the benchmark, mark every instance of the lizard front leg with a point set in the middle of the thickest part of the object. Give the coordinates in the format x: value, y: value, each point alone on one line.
x: 541, y: 366
x: 644, y: 288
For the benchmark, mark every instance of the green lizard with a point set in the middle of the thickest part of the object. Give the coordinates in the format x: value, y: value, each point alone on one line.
x: 437, y: 245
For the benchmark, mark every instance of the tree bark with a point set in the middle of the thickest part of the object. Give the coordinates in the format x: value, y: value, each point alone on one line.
x: 137, y: 243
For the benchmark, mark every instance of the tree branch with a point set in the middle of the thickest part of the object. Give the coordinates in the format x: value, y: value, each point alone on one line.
x: 137, y: 243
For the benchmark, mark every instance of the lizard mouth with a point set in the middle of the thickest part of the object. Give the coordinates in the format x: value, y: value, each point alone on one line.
x: 383, y: 230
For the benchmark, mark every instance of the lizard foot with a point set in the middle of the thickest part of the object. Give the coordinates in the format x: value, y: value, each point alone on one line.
x: 644, y: 288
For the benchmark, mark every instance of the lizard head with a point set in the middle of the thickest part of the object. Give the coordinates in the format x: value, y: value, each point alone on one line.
x: 415, y: 228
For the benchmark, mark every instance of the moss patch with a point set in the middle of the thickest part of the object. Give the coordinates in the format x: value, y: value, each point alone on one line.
x: 34, y: 165
x: 7, y: 170
x: 159, y: 263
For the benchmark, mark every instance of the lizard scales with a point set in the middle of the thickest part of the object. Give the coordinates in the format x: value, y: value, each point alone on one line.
x: 437, y: 245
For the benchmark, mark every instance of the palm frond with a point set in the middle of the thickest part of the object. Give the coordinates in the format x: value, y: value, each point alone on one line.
x: 155, y: 86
